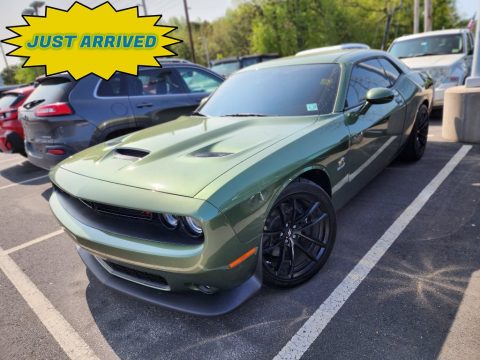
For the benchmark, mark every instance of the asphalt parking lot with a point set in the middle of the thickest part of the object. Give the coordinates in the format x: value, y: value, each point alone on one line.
x: 421, y: 300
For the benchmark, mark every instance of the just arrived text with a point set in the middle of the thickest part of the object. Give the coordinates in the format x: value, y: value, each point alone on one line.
x: 93, y: 41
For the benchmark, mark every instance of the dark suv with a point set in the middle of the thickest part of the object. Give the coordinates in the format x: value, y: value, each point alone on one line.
x: 63, y: 116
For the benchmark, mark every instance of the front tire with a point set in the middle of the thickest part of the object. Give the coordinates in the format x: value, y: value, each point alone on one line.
x: 417, y: 141
x: 298, y: 235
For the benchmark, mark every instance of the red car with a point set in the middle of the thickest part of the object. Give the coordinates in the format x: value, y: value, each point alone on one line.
x: 11, y: 130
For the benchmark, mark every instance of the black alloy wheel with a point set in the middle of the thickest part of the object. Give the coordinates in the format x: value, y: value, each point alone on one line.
x: 298, y: 235
x: 417, y: 141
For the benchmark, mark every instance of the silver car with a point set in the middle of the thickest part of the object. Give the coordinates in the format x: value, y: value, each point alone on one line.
x: 445, y: 55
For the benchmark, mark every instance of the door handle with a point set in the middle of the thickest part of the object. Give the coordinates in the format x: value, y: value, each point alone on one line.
x: 144, y: 105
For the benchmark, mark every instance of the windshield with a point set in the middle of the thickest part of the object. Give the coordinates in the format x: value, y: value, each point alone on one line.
x: 226, y: 69
x: 8, y: 100
x: 293, y: 90
x: 428, y: 45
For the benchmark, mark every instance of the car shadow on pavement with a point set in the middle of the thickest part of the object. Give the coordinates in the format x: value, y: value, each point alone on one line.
x: 137, y: 330
x: 23, y: 172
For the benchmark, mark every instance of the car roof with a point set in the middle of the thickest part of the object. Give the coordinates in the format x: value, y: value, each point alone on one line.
x: 432, y: 33
x: 333, y: 57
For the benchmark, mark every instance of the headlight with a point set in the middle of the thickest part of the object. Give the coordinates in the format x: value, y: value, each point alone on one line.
x: 171, y: 221
x: 193, y: 226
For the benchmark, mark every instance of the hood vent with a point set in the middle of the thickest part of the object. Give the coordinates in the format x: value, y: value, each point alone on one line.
x: 210, y: 154
x: 130, y: 154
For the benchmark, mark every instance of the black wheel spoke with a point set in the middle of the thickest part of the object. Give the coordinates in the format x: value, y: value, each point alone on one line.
x: 282, y: 260
x: 314, y: 222
x: 312, y: 240
x: 309, y: 212
x: 272, y: 233
x: 305, y: 251
x: 292, y: 262
x: 273, y: 246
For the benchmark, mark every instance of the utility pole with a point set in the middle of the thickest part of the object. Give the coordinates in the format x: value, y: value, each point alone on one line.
x: 390, y: 13
x: 192, y: 49
x: 416, y: 16
x: 144, y: 5
x: 427, y: 26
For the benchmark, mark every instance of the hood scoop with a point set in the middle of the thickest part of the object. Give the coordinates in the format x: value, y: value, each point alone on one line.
x: 129, y: 153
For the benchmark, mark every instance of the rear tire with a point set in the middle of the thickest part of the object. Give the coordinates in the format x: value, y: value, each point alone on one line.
x: 299, y: 234
x: 417, y: 140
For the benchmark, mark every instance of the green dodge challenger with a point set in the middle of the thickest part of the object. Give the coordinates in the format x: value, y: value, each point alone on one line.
x: 197, y: 213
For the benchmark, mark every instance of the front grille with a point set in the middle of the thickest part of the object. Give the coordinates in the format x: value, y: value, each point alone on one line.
x: 133, y: 275
x: 118, y: 211
x: 133, y: 223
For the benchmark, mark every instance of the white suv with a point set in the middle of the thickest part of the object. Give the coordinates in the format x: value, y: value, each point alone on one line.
x: 446, y: 55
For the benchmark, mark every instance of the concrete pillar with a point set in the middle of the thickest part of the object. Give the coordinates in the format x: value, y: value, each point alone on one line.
x: 461, y: 115
x: 461, y: 110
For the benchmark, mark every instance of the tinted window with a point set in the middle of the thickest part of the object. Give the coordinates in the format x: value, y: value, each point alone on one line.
x: 278, y: 91
x: 391, y: 70
x: 8, y: 100
x: 158, y: 82
x: 199, y: 81
x: 116, y: 86
x: 365, y: 76
x: 50, y: 90
x: 428, y: 45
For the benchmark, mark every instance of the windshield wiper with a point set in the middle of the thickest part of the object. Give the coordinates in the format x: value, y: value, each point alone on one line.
x: 243, y: 115
x: 197, y: 113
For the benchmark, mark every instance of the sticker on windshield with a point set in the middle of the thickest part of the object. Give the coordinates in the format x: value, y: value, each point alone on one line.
x: 312, y: 107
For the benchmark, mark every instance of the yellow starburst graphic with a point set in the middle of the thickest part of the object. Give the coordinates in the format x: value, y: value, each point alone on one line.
x: 82, y: 40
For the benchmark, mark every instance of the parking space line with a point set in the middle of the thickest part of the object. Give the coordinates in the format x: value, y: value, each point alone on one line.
x: 33, y: 242
x: 314, y: 326
x: 66, y: 336
x: 23, y: 182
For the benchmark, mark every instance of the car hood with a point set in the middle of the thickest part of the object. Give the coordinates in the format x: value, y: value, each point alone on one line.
x: 183, y: 156
x: 423, y: 62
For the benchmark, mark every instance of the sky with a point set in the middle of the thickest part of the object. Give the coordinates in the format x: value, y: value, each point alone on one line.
x: 10, y: 11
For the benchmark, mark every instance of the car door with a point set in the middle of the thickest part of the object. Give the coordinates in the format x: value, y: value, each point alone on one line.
x: 159, y: 95
x: 375, y: 136
x: 200, y: 83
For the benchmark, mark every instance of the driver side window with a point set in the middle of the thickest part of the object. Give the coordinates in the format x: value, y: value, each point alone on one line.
x: 365, y: 76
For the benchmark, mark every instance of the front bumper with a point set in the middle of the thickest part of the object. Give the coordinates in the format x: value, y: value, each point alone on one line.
x: 183, y: 267
x: 193, y: 302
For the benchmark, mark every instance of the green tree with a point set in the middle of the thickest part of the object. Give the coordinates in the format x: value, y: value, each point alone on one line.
x: 8, y: 75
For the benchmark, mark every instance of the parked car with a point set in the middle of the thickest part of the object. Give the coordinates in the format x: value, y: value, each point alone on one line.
x: 228, y: 66
x: 445, y: 55
x: 63, y: 116
x: 194, y: 214
x: 11, y: 131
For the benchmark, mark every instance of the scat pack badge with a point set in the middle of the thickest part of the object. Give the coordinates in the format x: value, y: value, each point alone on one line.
x: 83, y: 40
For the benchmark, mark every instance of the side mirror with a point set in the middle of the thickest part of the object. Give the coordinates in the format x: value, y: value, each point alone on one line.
x: 377, y: 96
